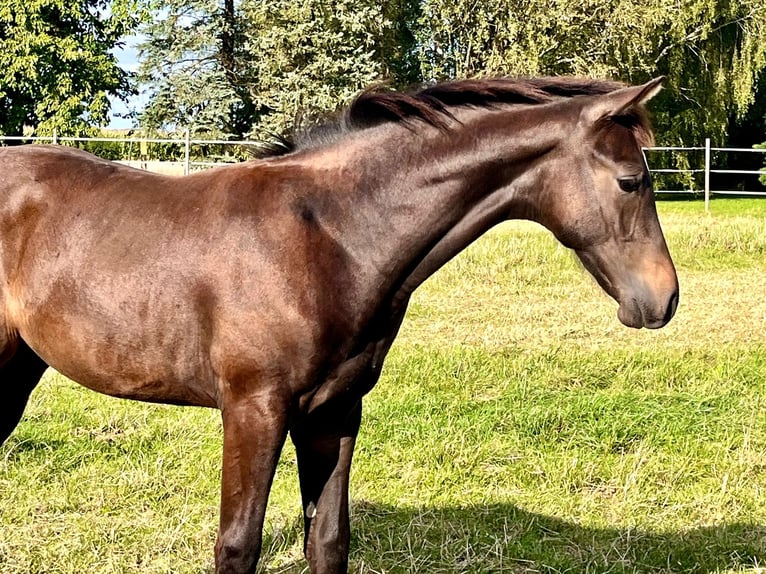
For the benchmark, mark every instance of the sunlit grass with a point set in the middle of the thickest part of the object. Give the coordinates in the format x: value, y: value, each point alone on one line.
x: 518, y: 427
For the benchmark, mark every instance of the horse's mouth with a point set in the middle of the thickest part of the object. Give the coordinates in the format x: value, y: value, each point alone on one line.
x: 629, y: 314
x: 635, y: 315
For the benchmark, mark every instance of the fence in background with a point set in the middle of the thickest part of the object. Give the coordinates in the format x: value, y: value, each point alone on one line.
x: 699, y: 162
x: 185, y: 163
x: 706, y: 166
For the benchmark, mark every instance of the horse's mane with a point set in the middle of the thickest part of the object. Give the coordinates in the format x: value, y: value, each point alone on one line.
x: 434, y: 105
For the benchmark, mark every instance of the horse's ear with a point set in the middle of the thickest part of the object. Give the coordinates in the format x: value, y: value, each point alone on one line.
x: 621, y: 102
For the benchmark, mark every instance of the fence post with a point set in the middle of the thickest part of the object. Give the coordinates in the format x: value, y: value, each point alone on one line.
x: 707, y: 175
x: 187, y: 152
x: 55, y: 138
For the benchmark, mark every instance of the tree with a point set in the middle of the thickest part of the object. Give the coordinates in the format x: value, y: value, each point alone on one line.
x: 712, y: 51
x: 56, y: 65
x: 315, y: 55
x: 251, y: 67
x: 196, y: 67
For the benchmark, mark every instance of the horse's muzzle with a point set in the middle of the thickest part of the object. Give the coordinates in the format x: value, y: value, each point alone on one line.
x: 650, y: 312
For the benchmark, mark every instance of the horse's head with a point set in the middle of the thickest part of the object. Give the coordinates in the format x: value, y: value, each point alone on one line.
x: 600, y: 202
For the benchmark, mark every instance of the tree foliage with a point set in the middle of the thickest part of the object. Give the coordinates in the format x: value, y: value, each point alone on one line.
x: 56, y: 64
x: 311, y: 55
x: 711, y: 51
x: 314, y: 55
x: 250, y: 67
x: 197, y: 68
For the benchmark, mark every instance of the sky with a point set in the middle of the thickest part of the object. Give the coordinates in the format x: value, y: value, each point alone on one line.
x: 127, y: 56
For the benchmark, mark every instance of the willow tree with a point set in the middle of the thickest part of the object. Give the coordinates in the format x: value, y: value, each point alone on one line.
x: 712, y: 51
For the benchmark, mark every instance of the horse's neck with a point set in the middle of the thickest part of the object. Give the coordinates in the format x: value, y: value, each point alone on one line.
x: 419, y: 199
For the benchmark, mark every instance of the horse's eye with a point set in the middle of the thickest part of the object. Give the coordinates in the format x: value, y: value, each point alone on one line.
x: 629, y: 184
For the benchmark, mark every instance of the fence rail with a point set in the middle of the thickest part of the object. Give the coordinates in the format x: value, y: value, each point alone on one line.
x: 708, y: 166
x: 705, y: 165
x: 185, y: 144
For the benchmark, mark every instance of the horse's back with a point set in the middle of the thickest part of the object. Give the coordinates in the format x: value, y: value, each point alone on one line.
x: 46, y: 163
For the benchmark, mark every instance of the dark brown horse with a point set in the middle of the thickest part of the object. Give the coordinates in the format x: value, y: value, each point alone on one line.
x: 273, y: 289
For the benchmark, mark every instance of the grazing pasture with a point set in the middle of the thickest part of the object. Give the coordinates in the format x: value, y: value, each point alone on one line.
x: 518, y: 427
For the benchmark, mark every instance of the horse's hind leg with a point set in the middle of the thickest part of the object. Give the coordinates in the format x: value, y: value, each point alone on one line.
x: 19, y: 374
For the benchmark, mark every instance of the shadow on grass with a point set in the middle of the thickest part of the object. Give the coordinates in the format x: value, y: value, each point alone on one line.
x: 505, y: 538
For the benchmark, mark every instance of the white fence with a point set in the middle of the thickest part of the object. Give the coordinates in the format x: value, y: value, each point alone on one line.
x: 700, y: 161
x: 706, y: 165
x: 183, y: 165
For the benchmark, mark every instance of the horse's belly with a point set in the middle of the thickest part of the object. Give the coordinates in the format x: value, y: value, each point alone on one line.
x: 168, y: 338
x: 168, y: 391
x: 165, y: 365
x: 141, y: 380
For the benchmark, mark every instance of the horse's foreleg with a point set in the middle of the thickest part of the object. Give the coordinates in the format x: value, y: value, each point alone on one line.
x: 19, y: 375
x: 254, y: 430
x: 324, y: 448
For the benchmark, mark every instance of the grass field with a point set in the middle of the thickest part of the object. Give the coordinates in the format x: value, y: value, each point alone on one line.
x: 518, y: 427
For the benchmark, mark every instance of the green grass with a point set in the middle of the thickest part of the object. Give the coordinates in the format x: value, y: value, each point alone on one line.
x: 518, y: 427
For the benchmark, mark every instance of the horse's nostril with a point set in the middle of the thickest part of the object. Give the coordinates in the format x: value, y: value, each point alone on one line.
x: 672, y: 306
